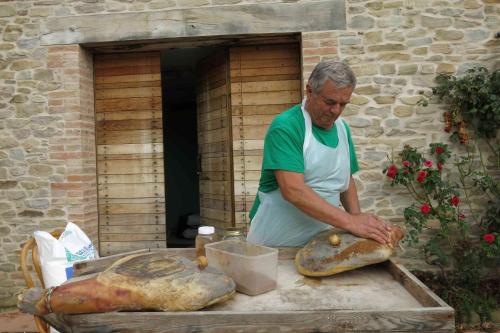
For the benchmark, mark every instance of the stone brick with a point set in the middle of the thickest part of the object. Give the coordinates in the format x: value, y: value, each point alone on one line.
x: 359, y: 100
x: 445, y: 68
x: 7, y: 11
x: 403, y: 111
x: 407, y: 69
x: 387, y: 69
x: 386, y: 47
x: 472, y: 4
x: 435, y: 22
x: 449, y: 35
x: 361, y: 22
x: 40, y: 170
x: 372, y: 37
x: 394, y: 56
x: 30, y: 213
x: 367, y: 90
x: 384, y: 99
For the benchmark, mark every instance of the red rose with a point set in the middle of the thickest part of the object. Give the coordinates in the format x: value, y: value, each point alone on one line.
x: 425, y: 209
x: 428, y: 163
x: 461, y: 216
x: 392, y: 171
x: 455, y: 201
x: 439, y: 150
x: 421, y: 176
x: 489, y: 238
x: 406, y: 164
x: 440, y: 166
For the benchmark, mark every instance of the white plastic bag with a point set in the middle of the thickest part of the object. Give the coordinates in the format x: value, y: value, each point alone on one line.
x: 58, y: 255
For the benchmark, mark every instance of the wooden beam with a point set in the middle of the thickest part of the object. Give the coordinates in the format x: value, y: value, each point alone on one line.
x: 195, y: 22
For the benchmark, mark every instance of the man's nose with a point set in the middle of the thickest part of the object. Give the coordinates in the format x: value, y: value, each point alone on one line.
x: 335, y: 108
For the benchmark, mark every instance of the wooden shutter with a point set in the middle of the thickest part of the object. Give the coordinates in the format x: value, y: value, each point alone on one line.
x: 131, y: 190
x: 265, y: 81
x: 214, y: 142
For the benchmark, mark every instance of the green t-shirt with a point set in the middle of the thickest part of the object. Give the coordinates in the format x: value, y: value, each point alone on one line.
x: 283, y: 148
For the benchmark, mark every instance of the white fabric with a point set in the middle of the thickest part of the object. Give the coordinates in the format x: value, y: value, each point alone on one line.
x: 326, y: 170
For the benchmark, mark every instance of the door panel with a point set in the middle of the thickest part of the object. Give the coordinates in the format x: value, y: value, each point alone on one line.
x: 214, y: 142
x: 265, y: 81
x: 129, y: 152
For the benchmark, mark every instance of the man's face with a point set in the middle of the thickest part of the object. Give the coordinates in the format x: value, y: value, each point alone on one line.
x: 328, y: 104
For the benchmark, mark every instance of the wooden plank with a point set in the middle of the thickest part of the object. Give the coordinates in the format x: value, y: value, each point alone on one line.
x: 130, y: 136
x: 135, y: 190
x: 262, y: 78
x: 250, y: 110
x: 132, y: 179
x: 292, y: 59
x: 121, y: 104
x: 415, y: 287
x: 127, y: 92
x: 119, y: 61
x: 127, y: 78
x: 266, y: 98
x: 262, y: 86
x: 261, y: 18
x: 133, y: 229
x: 127, y: 70
x: 262, y: 53
x: 123, y: 167
x: 127, y: 115
x: 144, y: 148
x: 137, y: 84
x: 137, y: 156
x: 131, y: 219
x: 110, y: 248
x: 129, y: 208
x: 237, y: 73
x: 253, y: 132
x: 136, y: 124
x: 136, y: 237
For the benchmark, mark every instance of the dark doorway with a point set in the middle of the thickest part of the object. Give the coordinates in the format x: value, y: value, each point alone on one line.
x: 181, y: 143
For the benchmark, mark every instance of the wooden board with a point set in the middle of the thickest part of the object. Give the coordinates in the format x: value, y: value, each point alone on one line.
x: 130, y: 167
x: 379, y: 298
x: 265, y: 81
x: 214, y: 141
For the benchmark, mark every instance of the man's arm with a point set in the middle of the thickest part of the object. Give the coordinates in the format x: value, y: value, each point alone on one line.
x: 294, y: 190
x: 349, y: 198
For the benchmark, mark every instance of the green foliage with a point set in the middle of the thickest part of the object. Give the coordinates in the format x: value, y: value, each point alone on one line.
x: 462, y: 258
x: 473, y: 98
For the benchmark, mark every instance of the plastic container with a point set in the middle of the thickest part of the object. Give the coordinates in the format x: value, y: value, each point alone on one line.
x: 206, y: 235
x: 252, y: 267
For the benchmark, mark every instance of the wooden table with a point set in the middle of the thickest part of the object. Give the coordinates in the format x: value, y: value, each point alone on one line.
x: 378, y: 298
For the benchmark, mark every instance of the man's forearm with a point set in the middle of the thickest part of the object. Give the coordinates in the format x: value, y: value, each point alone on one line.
x: 349, y: 198
x: 309, y: 202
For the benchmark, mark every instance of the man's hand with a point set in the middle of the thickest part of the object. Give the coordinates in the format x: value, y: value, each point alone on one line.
x: 370, y: 226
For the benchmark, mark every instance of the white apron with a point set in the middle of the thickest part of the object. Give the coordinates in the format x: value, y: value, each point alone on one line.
x: 326, y: 170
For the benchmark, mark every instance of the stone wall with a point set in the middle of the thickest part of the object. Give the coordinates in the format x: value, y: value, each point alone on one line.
x: 47, y: 151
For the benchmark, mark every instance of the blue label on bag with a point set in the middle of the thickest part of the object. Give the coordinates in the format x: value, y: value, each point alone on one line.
x: 69, y: 272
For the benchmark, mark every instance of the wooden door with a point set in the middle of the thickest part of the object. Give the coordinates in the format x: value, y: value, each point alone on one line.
x: 265, y: 81
x: 131, y: 190
x: 214, y: 142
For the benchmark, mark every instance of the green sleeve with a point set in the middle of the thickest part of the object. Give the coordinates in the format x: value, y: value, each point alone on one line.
x: 283, y: 150
x: 352, y: 151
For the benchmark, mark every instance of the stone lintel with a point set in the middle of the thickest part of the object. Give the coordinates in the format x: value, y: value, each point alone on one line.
x: 196, y: 22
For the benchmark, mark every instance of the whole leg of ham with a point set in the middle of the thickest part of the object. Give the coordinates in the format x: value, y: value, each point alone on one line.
x: 331, y: 252
x: 151, y: 281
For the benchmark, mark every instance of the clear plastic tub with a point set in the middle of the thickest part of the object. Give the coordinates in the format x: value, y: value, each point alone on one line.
x: 252, y: 267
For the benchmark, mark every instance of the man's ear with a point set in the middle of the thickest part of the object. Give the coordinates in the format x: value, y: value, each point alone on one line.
x: 308, y: 90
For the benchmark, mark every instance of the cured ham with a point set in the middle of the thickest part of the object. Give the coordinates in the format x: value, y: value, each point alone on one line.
x: 154, y: 281
x: 331, y: 252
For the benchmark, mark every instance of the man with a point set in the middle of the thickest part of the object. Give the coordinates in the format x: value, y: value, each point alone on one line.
x: 307, y: 169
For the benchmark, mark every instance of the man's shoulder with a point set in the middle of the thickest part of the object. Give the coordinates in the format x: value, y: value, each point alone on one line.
x: 289, y: 119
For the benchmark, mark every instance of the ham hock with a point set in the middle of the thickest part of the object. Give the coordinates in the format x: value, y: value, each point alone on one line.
x: 154, y: 281
x: 331, y: 252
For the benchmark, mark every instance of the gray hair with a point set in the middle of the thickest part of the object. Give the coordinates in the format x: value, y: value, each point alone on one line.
x: 338, y: 72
